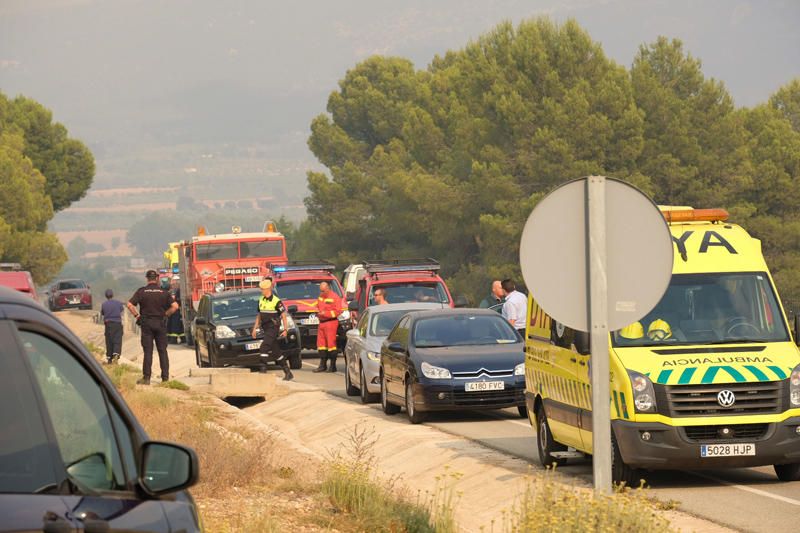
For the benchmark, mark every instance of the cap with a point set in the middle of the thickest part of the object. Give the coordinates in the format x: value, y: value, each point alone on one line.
x: 151, y: 274
x: 265, y: 284
x: 109, y: 293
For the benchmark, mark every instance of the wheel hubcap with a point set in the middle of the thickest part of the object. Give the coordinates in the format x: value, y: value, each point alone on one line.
x: 542, y: 433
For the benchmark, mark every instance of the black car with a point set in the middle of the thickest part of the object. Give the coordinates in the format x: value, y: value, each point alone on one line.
x: 452, y: 359
x: 72, y: 455
x: 223, y: 331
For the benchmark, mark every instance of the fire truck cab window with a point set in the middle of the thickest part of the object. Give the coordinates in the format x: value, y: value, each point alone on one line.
x: 210, y: 252
x: 262, y: 249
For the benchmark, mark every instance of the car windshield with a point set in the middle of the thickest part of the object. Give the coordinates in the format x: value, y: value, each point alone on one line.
x: 382, y: 323
x: 463, y: 330
x: 74, y: 284
x: 209, y: 252
x: 302, y: 290
x: 250, y: 249
x: 710, y: 309
x: 412, y: 292
x: 239, y: 306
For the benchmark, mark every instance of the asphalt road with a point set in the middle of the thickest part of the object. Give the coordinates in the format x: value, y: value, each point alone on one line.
x: 747, y: 499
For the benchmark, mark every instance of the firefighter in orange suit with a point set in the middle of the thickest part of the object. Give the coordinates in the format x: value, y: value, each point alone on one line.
x: 329, y: 307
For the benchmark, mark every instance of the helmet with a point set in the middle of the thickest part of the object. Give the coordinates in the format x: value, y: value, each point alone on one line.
x: 265, y: 284
x: 632, y: 331
x: 659, y: 330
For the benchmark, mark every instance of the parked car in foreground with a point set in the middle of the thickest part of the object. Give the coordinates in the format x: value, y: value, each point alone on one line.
x: 223, y: 331
x: 72, y: 455
x: 362, y: 354
x: 69, y: 294
x: 452, y: 359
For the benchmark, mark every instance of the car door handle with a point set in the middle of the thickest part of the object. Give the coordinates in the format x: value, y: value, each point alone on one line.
x: 582, y: 362
x: 573, y: 360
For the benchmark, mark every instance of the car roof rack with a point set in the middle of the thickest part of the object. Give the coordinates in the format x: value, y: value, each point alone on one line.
x: 301, y: 266
x: 401, y: 265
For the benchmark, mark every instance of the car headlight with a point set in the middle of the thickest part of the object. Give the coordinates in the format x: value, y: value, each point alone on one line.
x: 289, y: 322
x: 345, y: 316
x: 519, y: 370
x: 224, y: 332
x: 794, y: 387
x: 434, y: 372
x: 219, y: 287
x: 644, y: 395
x: 375, y: 356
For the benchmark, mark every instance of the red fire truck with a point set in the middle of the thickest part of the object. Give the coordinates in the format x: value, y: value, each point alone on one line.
x: 216, y: 263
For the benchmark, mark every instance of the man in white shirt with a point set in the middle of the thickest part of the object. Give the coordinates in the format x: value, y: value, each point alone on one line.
x: 515, y: 309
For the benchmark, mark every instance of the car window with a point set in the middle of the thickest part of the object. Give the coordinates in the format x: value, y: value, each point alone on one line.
x: 382, y: 323
x: 400, y: 332
x: 303, y: 289
x: 463, y: 330
x: 362, y: 324
x: 411, y: 292
x: 66, y: 285
x: 27, y: 461
x: 78, y: 414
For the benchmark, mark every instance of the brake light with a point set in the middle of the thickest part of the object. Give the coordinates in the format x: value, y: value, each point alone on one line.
x: 694, y: 215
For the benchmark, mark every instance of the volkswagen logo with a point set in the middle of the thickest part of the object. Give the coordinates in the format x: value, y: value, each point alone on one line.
x: 726, y: 398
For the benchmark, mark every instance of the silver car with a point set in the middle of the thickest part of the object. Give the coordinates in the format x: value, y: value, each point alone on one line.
x: 363, y: 351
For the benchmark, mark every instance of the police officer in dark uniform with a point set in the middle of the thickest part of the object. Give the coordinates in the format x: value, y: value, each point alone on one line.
x: 271, y: 312
x: 155, y: 306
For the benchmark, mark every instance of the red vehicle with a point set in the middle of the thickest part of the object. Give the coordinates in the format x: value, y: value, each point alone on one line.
x: 215, y: 263
x: 404, y: 280
x: 19, y: 280
x: 69, y: 294
x: 297, y: 285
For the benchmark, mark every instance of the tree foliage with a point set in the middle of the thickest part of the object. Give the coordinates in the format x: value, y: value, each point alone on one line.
x: 42, y: 170
x: 66, y: 163
x: 449, y: 161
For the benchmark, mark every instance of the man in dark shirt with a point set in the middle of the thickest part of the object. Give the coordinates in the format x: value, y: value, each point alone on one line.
x: 155, y: 306
x: 111, y: 313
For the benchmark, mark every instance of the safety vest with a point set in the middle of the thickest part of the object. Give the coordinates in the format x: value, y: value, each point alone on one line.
x: 270, y: 308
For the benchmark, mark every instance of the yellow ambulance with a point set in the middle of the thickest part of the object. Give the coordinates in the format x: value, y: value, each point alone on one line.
x: 710, y: 378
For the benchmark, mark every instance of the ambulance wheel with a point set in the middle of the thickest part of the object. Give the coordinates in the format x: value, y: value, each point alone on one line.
x: 296, y: 361
x: 789, y: 472
x: 620, y: 472
x: 545, y: 443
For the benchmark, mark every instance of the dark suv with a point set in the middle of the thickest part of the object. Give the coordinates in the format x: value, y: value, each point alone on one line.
x: 72, y: 455
x: 223, y: 331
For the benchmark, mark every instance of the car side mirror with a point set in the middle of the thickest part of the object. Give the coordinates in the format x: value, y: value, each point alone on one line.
x: 461, y: 301
x: 352, y: 306
x: 581, y: 342
x: 200, y: 321
x: 167, y: 467
x: 292, y: 309
x: 396, y: 347
x: 796, y: 329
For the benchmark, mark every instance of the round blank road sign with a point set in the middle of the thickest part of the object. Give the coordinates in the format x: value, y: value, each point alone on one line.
x: 553, y: 254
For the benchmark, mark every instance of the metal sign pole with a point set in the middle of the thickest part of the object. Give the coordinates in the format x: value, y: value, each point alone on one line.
x: 598, y: 324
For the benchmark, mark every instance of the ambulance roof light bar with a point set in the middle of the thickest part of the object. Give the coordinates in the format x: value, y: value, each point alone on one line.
x: 687, y: 214
x: 402, y: 265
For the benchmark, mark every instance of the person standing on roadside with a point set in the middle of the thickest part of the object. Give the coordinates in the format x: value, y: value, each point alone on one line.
x: 329, y: 307
x: 496, y: 296
x: 155, y: 307
x: 271, y: 312
x: 380, y: 297
x: 515, y: 308
x: 175, y: 322
x: 111, y: 313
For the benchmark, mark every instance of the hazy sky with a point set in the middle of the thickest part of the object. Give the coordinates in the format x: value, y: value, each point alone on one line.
x: 131, y: 72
